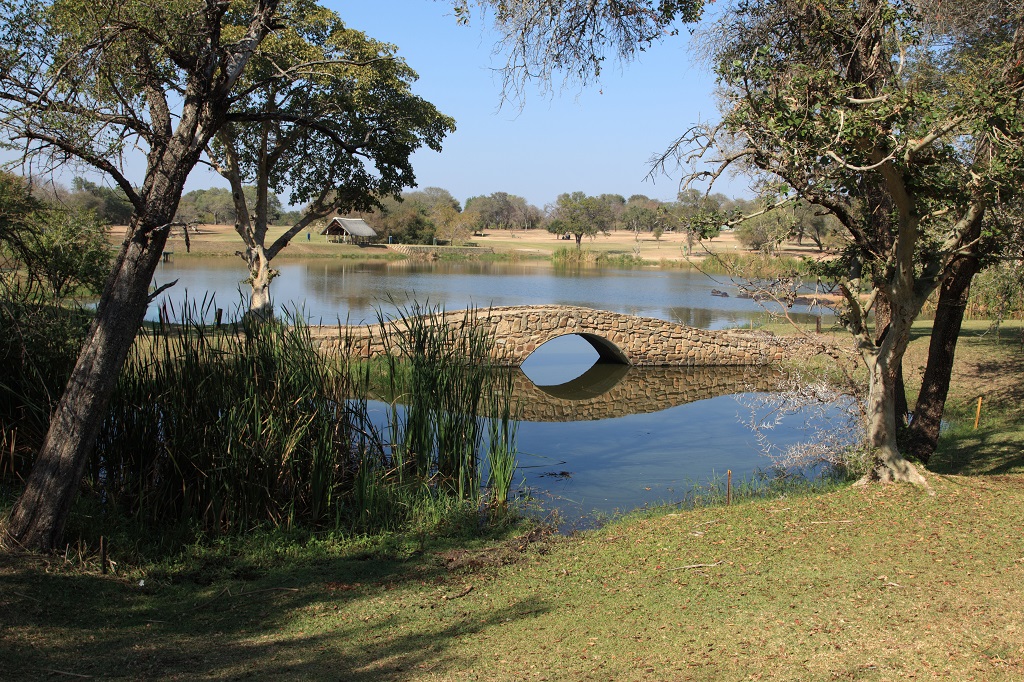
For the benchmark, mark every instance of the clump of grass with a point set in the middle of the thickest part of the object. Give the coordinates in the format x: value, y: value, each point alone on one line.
x: 620, y: 260
x: 440, y: 381
x: 227, y: 428
x: 573, y: 256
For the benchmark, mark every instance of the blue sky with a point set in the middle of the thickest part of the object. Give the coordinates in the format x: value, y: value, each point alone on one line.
x: 598, y: 139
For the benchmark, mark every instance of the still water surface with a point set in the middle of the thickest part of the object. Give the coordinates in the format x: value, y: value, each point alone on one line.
x: 612, y: 440
x: 327, y: 290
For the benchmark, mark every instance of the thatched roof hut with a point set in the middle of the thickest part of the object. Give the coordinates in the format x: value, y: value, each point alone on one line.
x: 349, y: 231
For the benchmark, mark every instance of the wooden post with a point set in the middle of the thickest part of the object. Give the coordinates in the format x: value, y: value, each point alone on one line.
x: 728, y: 487
x: 103, y: 555
x: 220, y: 313
x: 817, y: 324
x: 977, y: 415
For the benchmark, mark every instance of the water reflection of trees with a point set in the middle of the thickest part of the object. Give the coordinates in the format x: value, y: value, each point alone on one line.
x: 342, y: 283
x: 704, y: 318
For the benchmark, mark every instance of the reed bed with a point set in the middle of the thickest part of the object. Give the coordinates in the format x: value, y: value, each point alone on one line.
x: 450, y: 404
x: 228, y: 427
x: 223, y: 428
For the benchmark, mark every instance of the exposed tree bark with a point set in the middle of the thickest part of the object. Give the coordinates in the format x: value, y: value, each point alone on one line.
x: 889, y: 464
x: 923, y: 430
x: 260, y: 275
x: 39, y: 515
x: 883, y: 317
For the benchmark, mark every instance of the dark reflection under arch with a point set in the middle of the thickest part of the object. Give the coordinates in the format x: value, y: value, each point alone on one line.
x: 608, y: 391
x: 599, y: 379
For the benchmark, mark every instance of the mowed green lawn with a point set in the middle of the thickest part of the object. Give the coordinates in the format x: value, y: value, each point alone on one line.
x: 863, y: 583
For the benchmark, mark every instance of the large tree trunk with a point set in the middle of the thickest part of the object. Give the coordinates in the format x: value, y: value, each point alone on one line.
x: 38, y: 517
x: 260, y: 276
x: 931, y: 401
x: 888, y: 464
x: 882, y: 358
x: 883, y: 321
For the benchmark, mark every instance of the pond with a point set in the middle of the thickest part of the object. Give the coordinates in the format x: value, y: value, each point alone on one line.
x: 595, y: 438
x: 329, y: 290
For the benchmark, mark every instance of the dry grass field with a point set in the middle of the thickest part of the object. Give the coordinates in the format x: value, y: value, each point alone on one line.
x: 221, y: 240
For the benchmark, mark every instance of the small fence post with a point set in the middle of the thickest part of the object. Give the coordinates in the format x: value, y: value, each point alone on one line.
x: 977, y: 415
x: 728, y: 487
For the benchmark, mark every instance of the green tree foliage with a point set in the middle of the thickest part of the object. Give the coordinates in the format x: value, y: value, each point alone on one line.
x: 417, y: 217
x: 848, y: 103
x: 640, y: 217
x: 49, y: 249
x: 503, y: 211
x: 697, y: 215
x: 68, y: 250
x: 109, y: 204
x: 766, y: 232
x: 16, y: 208
x: 216, y: 206
x: 327, y: 113
x: 581, y: 216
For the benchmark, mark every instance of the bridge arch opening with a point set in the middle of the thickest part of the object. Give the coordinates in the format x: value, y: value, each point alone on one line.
x: 578, y: 363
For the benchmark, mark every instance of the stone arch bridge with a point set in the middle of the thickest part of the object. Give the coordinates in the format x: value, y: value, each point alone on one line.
x: 617, y: 338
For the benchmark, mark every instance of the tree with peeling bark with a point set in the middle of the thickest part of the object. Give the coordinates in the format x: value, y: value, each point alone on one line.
x: 87, y: 82
x: 841, y: 102
x: 328, y: 114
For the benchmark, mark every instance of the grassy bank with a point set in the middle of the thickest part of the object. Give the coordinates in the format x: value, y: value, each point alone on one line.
x: 864, y: 583
x: 876, y: 583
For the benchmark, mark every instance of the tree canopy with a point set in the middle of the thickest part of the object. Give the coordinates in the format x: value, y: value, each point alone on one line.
x: 329, y: 114
x: 581, y: 215
x: 850, y: 105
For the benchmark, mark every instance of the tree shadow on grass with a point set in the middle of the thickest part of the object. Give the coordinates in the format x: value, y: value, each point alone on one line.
x: 336, y: 619
x: 985, y: 452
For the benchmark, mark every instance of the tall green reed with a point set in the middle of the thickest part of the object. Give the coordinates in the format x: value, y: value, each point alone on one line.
x: 443, y: 386
x: 228, y: 427
x: 503, y: 424
x: 222, y: 428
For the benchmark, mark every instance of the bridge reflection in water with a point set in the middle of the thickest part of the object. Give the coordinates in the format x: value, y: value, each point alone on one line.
x: 607, y: 390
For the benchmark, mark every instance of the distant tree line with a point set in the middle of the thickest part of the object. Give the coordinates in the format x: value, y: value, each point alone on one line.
x: 434, y: 215
x: 215, y: 206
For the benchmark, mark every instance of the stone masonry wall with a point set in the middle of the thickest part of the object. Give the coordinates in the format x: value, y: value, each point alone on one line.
x: 638, y: 341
